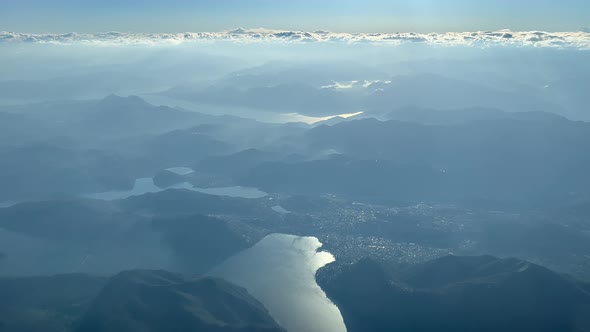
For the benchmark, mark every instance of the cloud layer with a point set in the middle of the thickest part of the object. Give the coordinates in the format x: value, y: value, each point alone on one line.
x: 576, y: 40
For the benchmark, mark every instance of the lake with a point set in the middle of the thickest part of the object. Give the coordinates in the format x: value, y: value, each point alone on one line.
x: 280, y: 209
x: 181, y: 170
x: 280, y: 272
x: 240, y: 111
x: 146, y: 185
x: 7, y: 204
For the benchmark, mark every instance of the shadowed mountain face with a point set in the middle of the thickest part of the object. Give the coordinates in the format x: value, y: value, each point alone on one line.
x: 120, y: 116
x: 290, y: 97
x: 48, y: 304
x: 457, y: 294
x: 160, y: 301
x: 139, y: 300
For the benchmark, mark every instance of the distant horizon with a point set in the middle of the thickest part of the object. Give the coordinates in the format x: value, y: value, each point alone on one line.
x: 276, y: 29
x: 369, y: 16
x: 504, y: 37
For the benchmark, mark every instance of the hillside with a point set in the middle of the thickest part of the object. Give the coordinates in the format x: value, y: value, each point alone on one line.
x: 456, y: 294
x: 153, y: 301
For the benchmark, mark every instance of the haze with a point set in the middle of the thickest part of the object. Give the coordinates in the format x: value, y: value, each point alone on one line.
x: 294, y: 166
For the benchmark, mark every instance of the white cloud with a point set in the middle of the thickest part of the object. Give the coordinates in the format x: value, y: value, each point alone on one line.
x: 577, y: 40
x: 341, y: 85
x: 347, y: 85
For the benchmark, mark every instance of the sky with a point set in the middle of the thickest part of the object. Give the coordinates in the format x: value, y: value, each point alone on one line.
x: 87, y: 16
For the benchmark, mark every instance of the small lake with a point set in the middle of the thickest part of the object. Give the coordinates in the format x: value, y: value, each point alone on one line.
x: 146, y: 185
x: 280, y: 272
x: 181, y: 170
x: 280, y: 209
x: 7, y: 204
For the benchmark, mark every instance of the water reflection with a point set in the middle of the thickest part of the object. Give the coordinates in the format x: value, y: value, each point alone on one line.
x: 280, y: 272
x: 244, y: 112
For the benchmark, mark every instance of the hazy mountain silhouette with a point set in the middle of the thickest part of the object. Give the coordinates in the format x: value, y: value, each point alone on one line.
x: 126, y: 116
x: 107, y: 119
x: 48, y: 304
x: 167, y: 230
x: 437, y: 91
x: 286, y: 97
x: 96, y: 146
x: 460, y: 116
x: 189, y: 148
x: 499, y: 159
x: 238, y: 163
x: 42, y: 170
x: 200, y: 242
x: 174, y: 203
x: 278, y: 91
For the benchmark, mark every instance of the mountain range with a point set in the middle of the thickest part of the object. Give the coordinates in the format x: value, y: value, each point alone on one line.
x: 496, y: 160
x: 137, y: 300
x: 452, y: 293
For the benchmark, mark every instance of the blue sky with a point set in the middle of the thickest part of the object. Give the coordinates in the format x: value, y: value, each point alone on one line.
x: 334, y: 15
